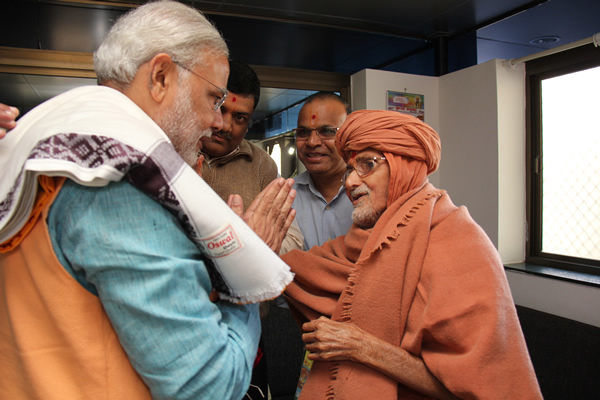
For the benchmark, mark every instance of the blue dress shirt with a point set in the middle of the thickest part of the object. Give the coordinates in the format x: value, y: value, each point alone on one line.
x: 320, y: 221
x: 131, y: 252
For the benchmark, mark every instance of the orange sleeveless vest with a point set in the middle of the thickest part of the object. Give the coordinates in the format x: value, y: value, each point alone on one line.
x: 56, y: 341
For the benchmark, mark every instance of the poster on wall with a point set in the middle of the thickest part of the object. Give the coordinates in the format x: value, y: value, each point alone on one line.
x: 407, y: 103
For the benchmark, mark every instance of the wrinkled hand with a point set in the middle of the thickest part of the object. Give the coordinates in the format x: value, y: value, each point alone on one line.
x: 270, y: 214
x: 8, y: 115
x: 328, y: 340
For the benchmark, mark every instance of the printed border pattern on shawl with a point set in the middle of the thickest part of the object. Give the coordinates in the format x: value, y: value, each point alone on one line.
x: 7, y: 203
x: 93, y: 151
x: 83, y: 150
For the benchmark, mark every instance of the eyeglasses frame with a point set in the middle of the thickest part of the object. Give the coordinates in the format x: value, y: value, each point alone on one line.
x: 318, y: 134
x: 224, y: 91
x: 349, y: 170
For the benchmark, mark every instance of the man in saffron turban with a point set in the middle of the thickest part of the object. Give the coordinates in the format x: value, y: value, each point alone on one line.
x: 413, y: 301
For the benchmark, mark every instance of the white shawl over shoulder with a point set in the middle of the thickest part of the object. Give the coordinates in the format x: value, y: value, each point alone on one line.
x: 95, y: 135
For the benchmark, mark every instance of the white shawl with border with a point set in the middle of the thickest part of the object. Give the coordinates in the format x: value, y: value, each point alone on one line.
x: 95, y: 135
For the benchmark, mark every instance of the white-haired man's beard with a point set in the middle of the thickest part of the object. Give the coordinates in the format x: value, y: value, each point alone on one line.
x: 184, y: 127
x: 364, y: 214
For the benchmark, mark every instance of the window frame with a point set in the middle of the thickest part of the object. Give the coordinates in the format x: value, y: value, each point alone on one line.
x: 569, y: 61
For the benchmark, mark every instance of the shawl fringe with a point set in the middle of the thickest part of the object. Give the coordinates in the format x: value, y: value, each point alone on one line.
x: 404, y: 221
x: 347, y: 300
x: 269, y: 291
x: 330, y: 394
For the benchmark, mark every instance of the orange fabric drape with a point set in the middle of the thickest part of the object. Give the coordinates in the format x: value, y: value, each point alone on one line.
x: 46, y: 190
x: 56, y: 341
x: 425, y: 278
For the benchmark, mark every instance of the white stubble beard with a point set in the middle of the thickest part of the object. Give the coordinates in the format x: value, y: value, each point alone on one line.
x: 365, y: 215
x: 183, y: 126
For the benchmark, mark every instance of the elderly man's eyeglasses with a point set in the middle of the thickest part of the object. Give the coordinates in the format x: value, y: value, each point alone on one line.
x: 363, y: 167
x: 323, y: 132
x: 219, y: 99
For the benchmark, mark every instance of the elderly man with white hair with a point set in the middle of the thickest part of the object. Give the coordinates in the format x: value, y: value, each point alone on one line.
x: 114, y: 273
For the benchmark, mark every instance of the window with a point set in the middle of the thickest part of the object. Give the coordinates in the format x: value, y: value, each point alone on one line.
x: 564, y: 156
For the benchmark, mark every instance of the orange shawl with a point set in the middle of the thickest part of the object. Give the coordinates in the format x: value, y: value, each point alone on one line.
x: 444, y: 298
x: 426, y: 278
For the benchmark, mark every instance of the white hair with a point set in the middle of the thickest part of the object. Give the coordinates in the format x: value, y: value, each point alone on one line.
x: 164, y: 26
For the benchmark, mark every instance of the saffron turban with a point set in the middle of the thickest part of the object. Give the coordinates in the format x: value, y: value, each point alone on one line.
x: 390, y: 132
x: 411, y: 147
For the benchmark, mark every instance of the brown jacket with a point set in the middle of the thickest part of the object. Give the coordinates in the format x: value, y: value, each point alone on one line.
x: 246, y: 171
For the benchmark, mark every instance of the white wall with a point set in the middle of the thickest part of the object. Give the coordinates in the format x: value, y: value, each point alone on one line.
x: 369, y: 91
x: 468, y: 169
x: 512, y: 209
x: 479, y: 113
x: 469, y: 125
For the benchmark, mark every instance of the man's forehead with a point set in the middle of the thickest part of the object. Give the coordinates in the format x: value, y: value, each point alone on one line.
x: 322, y: 111
x: 239, y: 95
x: 366, y: 153
x: 243, y: 103
x: 313, y: 125
x: 216, y: 71
x: 357, y: 155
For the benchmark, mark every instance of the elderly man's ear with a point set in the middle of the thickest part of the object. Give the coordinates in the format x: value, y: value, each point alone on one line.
x: 154, y: 87
x: 163, y: 76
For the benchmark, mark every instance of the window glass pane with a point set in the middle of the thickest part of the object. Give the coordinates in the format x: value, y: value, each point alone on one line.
x: 571, y: 164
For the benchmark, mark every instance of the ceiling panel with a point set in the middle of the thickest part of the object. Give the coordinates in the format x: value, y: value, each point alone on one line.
x: 308, y: 47
x: 279, y: 99
x: 419, y: 19
x: 27, y: 91
x: 571, y: 20
x: 73, y: 28
x: 335, y: 36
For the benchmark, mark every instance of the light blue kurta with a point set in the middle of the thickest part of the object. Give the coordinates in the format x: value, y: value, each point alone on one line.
x: 130, y: 251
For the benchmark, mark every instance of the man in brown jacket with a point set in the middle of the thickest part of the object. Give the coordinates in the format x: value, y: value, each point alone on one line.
x: 232, y: 164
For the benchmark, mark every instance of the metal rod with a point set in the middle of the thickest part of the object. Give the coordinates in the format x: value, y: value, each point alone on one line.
x: 513, y: 62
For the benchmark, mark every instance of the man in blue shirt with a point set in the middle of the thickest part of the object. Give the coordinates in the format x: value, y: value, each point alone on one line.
x: 323, y: 208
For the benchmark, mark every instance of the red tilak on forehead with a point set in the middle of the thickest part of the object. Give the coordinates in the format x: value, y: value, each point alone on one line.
x: 314, y: 116
x: 353, y: 154
x: 234, y: 99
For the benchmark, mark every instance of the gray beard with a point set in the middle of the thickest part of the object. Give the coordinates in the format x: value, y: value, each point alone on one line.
x: 365, y: 216
x: 184, y: 127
